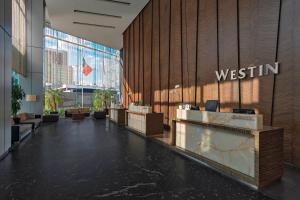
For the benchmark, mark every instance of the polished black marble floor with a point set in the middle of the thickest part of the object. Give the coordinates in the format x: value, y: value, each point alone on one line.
x: 99, y: 160
x: 289, y: 186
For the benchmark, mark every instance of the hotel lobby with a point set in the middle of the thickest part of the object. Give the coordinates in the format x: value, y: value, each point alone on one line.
x: 150, y: 99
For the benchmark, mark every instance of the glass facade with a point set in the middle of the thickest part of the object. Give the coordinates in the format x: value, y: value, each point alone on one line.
x: 19, y: 36
x: 63, y: 64
x: 65, y: 58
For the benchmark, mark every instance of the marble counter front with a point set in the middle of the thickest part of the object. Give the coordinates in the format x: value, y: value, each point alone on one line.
x: 232, y: 143
x: 117, y: 115
x: 227, y: 147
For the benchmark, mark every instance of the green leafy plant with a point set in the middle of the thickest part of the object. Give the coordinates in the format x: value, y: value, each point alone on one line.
x: 61, y: 112
x: 46, y: 112
x: 103, y: 98
x: 108, y: 96
x: 97, y: 101
x: 17, y: 96
x: 53, y: 97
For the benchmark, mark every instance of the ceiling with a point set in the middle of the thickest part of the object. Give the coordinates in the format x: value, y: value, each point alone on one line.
x: 102, y: 21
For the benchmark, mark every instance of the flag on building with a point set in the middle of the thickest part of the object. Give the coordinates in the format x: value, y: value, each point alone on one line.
x: 86, y: 69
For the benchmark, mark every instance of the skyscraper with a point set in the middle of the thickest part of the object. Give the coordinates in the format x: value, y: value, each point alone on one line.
x: 57, y: 70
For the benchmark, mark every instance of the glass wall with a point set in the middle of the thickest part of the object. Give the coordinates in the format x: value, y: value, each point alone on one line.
x: 66, y: 59
x: 19, y: 36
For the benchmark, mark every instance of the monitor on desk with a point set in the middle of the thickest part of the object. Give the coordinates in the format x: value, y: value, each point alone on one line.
x: 211, y: 105
x: 244, y: 111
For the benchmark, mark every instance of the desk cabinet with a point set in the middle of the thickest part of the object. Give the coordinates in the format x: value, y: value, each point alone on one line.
x: 117, y: 115
x: 145, y: 123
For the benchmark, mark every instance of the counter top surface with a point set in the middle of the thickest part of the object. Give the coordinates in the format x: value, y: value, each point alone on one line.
x: 117, y: 108
x: 244, y: 130
x: 143, y: 113
x: 234, y: 120
x: 137, y: 113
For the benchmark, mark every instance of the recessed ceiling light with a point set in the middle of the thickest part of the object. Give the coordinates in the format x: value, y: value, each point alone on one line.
x: 117, y: 2
x: 96, y: 25
x: 100, y: 14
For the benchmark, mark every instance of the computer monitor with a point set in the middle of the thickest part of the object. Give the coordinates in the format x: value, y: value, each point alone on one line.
x: 211, y: 105
x: 244, y: 111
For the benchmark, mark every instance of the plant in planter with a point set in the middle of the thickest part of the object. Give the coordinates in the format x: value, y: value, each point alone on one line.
x: 102, y: 99
x: 61, y: 112
x: 107, y: 96
x: 97, y: 102
x: 17, y: 95
x: 53, y: 97
x: 98, y: 105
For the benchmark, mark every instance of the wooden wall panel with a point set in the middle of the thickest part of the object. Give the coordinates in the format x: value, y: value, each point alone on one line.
x: 175, y: 94
x: 124, y: 71
x: 207, y: 86
x: 155, y: 58
x: 284, y: 86
x: 296, y: 81
x: 131, y: 65
x: 147, y: 26
x: 258, y: 35
x: 164, y: 54
x: 126, y: 51
x: 228, y: 57
x: 189, y: 47
x: 141, y: 60
x: 248, y: 33
x: 136, y: 58
x: 258, y: 46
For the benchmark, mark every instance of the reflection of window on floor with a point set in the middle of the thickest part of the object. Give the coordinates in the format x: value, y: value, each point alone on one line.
x: 78, y: 68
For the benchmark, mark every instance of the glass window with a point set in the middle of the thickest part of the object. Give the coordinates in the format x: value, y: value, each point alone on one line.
x: 65, y: 60
x: 19, y: 36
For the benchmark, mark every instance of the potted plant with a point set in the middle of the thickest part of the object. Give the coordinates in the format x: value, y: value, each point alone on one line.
x: 53, y: 97
x: 97, y: 101
x: 17, y: 96
x: 98, y: 104
x: 107, y: 96
x: 102, y: 100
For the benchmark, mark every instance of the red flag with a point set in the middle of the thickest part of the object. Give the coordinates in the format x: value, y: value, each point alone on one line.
x: 86, y: 69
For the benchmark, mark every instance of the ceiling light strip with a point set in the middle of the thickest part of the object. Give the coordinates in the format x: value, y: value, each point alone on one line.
x: 96, y: 25
x: 117, y: 2
x: 100, y: 14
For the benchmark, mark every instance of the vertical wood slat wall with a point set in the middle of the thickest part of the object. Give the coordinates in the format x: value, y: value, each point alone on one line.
x: 182, y: 43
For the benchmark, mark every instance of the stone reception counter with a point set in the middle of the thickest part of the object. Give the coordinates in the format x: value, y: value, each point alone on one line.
x: 142, y: 120
x: 235, y: 144
x: 117, y: 114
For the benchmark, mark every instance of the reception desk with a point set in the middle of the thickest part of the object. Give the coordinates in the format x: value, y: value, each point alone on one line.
x: 236, y: 144
x: 142, y: 120
x: 117, y: 115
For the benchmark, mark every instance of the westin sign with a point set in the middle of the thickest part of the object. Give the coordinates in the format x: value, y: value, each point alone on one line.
x: 261, y: 70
